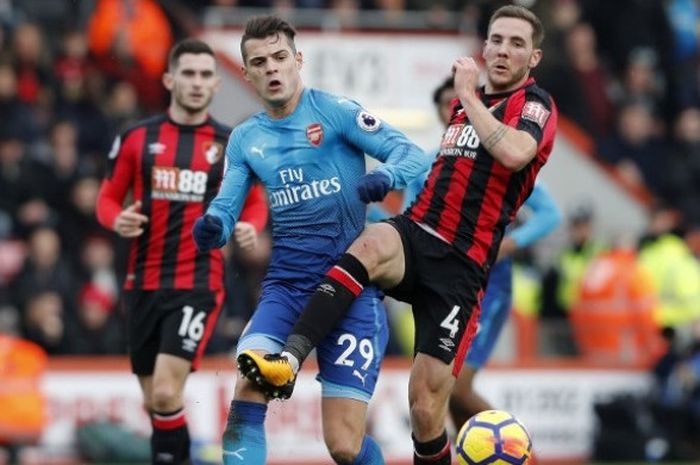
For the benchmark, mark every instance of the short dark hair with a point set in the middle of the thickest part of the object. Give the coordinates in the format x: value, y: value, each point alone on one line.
x: 194, y: 46
x: 260, y: 27
x: 447, y: 84
x: 520, y: 12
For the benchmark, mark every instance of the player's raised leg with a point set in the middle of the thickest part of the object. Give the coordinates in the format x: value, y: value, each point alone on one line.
x: 375, y: 256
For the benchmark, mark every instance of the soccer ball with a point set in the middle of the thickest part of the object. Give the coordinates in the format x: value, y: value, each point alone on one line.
x: 493, y: 437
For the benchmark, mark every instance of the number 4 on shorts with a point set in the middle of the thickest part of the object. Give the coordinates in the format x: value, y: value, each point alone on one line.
x: 451, y: 321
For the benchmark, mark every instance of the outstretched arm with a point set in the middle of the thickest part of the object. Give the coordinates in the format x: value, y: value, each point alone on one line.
x: 402, y: 160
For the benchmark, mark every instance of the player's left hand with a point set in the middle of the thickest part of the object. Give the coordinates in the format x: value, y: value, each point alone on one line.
x: 246, y: 235
x: 207, y: 232
x: 373, y: 186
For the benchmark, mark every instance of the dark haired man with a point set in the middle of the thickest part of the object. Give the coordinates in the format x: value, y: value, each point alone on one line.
x: 173, y: 164
x: 308, y: 150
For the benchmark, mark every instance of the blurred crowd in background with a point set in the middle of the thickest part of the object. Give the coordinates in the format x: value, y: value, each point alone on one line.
x: 73, y: 74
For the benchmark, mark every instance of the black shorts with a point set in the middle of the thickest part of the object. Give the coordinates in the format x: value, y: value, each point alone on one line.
x: 175, y: 322
x: 445, y: 290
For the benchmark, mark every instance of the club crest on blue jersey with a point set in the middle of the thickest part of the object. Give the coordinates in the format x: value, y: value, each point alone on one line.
x: 314, y: 133
x: 368, y: 122
x: 213, y: 152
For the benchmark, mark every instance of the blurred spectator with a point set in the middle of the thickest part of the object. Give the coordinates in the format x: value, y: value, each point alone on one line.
x: 77, y: 101
x: 72, y: 60
x: 681, y: 185
x: 122, y: 106
x: 678, y: 392
x: 96, y: 329
x: 581, y: 83
x: 97, y: 265
x: 613, y: 316
x: 78, y: 220
x: 674, y: 270
x: 131, y: 39
x: 684, y: 17
x: 345, y: 14
x: 63, y: 163
x: 22, y: 186
x: 561, y: 284
x: 642, y: 81
x: 31, y: 63
x: 43, y: 321
x: 44, y: 269
x: 622, y: 27
x: 22, y: 124
x: 635, y: 150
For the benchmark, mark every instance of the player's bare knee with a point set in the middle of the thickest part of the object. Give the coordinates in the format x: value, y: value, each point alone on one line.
x: 421, y: 411
x: 165, y: 397
x: 343, y: 437
x: 426, y: 416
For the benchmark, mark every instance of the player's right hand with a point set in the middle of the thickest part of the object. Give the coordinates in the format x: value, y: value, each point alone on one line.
x: 207, y: 232
x: 466, y: 74
x: 129, y: 221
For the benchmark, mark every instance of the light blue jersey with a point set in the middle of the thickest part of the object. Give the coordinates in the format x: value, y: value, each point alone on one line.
x: 310, y: 163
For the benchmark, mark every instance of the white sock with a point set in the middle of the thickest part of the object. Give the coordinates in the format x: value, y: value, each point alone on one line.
x: 293, y: 361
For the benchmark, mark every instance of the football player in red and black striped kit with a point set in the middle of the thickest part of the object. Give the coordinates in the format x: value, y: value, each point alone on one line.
x: 172, y: 164
x: 437, y: 254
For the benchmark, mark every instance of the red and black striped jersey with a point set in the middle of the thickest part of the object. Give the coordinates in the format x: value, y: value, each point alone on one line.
x: 175, y: 171
x: 469, y: 197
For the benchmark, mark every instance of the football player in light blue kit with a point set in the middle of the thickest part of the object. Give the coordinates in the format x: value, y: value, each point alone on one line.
x: 544, y: 217
x: 308, y: 150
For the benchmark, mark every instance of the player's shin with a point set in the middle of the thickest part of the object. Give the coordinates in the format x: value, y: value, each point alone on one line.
x: 244, y: 436
x: 329, y: 303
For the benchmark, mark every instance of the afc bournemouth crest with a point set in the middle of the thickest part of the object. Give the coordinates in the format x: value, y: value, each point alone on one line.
x: 213, y: 151
x: 314, y: 132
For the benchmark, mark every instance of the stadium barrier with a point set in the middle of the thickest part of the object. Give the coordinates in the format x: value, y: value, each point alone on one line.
x: 553, y: 398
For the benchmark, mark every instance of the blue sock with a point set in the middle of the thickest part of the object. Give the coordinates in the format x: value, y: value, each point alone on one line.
x: 244, y: 437
x: 370, y: 453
